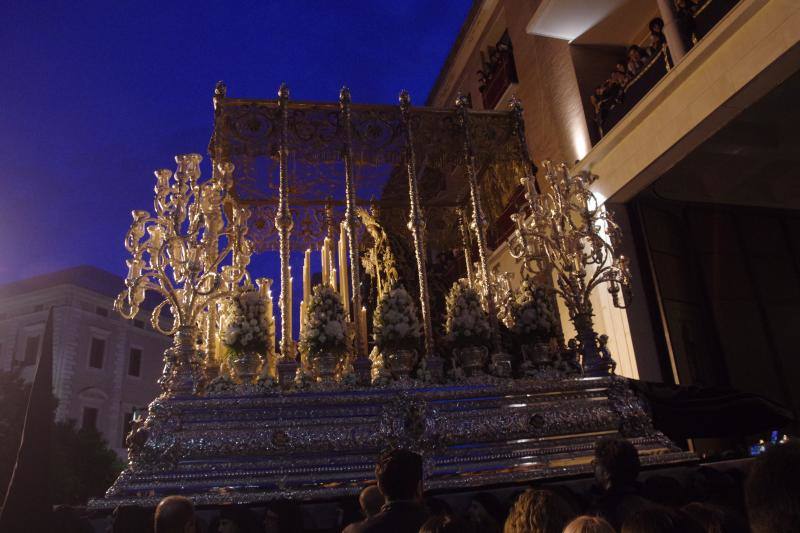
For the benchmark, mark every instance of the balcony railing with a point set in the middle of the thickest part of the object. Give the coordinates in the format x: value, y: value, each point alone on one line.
x: 695, y: 20
x: 612, y: 111
x: 498, y: 73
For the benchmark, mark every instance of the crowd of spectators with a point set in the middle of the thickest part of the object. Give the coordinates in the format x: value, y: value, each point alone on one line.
x: 612, y: 90
x: 766, y: 499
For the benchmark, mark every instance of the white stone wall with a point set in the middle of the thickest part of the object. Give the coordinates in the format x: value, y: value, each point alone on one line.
x: 76, y: 385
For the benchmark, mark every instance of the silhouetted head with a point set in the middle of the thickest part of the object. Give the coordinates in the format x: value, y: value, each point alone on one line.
x: 371, y: 500
x: 772, y: 490
x: 175, y: 514
x: 659, y: 519
x: 589, y: 524
x: 399, y: 475
x: 445, y: 523
x: 541, y: 511
x: 716, y: 519
x: 616, y: 463
x: 131, y: 519
x: 656, y: 25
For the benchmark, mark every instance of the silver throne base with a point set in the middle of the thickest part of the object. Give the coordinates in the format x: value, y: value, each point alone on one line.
x: 321, y: 444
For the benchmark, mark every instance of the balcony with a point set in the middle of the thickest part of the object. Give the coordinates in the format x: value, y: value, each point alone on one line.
x: 694, y: 20
x: 498, y: 72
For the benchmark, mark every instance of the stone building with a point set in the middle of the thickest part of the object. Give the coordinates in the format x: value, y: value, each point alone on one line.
x: 697, y: 155
x: 104, y: 367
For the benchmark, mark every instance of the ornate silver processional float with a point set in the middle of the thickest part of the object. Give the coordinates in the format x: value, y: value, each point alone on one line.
x: 495, y: 396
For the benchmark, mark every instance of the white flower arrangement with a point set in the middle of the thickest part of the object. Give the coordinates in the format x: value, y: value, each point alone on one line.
x: 303, y: 379
x: 325, y: 329
x: 396, y: 325
x: 349, y: 379
x: 247, y: 329
x: 534, y: 318
x: 220, y: 385
x: 467, y: 323
x: 423, y: 372
x: 266, y: 383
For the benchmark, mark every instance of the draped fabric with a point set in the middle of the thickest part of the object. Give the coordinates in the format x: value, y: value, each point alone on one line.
x: 27, y: 504
x: 684, y: 412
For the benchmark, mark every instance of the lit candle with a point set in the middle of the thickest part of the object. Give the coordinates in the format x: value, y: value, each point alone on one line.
x: 334, y: 280
x: 302, y: 317
x: 289, y: 300
x: 326, y: 265
x: 307, y: 277
x: 344, y: 288
x: 270, y: 321
x: 362, y: 324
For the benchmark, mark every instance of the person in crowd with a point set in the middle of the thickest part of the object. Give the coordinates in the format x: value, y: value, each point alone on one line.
x: 635, y: 61
x: 589, y: 524
x: 684, y: 14
x: 175, y: 514
x: 131, y: 519
x: 437, y: 506
x: 447, y: 523
x: 658, y: 519
x: 281, y: 517
x: 538, y: 511
x: 485, y: 513
x: 235, y: 520
x: 772, y: 490
x: 616, y: 467
x: 370, y: 500
x: 399, y: 475
x: 657, y: 39
x: 664, y: 490
x: 716, y: 519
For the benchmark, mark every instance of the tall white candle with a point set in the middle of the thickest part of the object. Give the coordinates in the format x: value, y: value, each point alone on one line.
x: 307, y: 276
x: 363, y: 327
x: 270, y: 321
x: 302, y: 317
x: 326, y: 265
x: 289, y: 312
x: 344, y: 286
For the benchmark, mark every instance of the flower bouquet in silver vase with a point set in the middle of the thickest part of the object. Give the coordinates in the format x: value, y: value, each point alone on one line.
x: 535, y: 326
x: 397, y: 332
x: 246, y: 334
x: 324, y: 338
x: 467, y: 327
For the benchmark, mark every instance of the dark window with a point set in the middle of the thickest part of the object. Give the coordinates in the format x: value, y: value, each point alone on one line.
x: 135, y: 362
x: 138, y: 324
x: 96, y: 353
x: 126, y: 426
x: 37, y: 308
x: 102, y: 311
x: 89, y: 420
x: 31, y: 350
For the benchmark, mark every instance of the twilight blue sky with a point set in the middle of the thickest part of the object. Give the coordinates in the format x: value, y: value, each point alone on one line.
x: 96, y: 95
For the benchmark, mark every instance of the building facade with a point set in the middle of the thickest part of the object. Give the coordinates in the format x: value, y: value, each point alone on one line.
x: 104, y: 367
x: 697, y: 157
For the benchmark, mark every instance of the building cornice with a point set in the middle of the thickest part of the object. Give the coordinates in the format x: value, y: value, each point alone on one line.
x: 477, y: 19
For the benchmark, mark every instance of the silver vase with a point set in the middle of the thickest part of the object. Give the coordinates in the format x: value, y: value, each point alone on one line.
x: 323, y: 367
x: 400, y: 362
x: 246, y: 366
x: 472, y: 359
x: 540, y: 354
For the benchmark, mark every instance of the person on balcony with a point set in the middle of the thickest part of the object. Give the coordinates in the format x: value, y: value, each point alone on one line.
x: 657, y: 39
x: 635, y: 61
